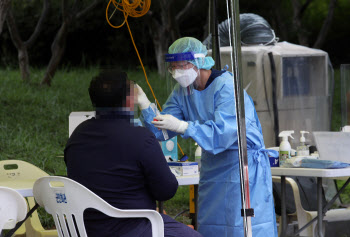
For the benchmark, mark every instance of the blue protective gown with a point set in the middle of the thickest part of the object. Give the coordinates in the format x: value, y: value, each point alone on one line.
x: 212, y: 124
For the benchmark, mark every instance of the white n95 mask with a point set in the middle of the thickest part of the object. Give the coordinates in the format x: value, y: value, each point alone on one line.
x: 185, y: 77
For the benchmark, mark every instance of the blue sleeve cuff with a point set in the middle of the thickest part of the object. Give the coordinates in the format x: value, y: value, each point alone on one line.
x: 190, y: 131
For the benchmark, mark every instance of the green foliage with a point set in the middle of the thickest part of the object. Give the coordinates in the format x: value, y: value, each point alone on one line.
x: 336, y: 126
x: 91, y: 41
x: 178, y: 204
x: 316, y: 13
x: 345, y: 196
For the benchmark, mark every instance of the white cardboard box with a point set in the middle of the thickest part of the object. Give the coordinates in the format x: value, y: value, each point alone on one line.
x: 184, y: 168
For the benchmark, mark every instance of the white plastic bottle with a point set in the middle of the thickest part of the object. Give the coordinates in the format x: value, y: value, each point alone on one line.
x: 302, y: 149
x: 284, y: 149
x: 198, y: 156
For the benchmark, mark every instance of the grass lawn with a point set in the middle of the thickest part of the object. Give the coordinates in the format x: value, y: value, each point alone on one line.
x: 34, y: 120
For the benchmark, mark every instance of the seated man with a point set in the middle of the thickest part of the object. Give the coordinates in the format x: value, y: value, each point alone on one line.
x: 121, y: 163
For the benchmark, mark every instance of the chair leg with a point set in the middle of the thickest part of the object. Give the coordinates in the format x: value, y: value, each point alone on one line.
x: 33, y: 224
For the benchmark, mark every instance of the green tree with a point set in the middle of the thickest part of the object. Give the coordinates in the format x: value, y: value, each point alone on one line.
x: 69, y: 14
x: 23, y: 46
x: 164, y: 27
x: 299, y: 11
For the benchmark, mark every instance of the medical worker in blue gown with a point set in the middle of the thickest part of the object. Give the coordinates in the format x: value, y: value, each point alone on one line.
x: 202, y: 107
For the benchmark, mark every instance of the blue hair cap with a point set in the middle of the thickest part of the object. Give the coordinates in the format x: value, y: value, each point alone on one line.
x: 190, y: 44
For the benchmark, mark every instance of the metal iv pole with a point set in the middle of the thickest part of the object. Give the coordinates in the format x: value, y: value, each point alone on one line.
x: 247, y: 212
x: 235, y: 41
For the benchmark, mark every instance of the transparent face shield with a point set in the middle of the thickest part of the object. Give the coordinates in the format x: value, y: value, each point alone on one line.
x: 181, y: 70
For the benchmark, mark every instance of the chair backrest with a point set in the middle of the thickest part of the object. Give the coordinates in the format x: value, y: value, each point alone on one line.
x: 18, y: 169
x: 66, y: 201
x: 13, y: 208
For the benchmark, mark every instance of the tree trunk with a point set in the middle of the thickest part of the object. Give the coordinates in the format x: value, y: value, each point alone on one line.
x: 22, y: 47
x: 4, y: 5
x: 298, y: 12
x: 59, y: 44
x: 160, y: 32
x: 57, y: 49
x: 160, y: 39
x: 166, y: 30
x: 23, y: 59
x: 161, y: 44
x: 326, y: 25
x: 279, y: 23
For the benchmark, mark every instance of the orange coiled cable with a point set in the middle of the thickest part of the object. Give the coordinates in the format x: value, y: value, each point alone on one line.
x: 130, y: 9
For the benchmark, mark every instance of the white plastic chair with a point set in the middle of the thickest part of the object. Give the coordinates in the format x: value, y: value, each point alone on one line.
x: 64, y: 198
x: 13, y: 208
x: 303, y: 216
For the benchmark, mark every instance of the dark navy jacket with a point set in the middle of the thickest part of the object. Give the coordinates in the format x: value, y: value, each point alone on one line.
x: 122, y: 164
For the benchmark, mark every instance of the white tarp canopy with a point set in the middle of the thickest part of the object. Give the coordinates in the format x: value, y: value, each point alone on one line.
x: 303, y: 88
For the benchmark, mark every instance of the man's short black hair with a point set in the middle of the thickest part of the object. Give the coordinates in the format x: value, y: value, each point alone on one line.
x: 109, y: 89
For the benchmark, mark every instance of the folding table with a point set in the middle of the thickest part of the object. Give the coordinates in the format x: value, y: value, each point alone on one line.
x: 309, y: 172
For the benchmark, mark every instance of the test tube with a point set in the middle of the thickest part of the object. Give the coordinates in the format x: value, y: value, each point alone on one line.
x: 156, y: 111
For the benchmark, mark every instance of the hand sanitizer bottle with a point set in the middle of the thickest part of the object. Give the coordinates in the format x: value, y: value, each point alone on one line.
x: 198, y: 156
x: 284, y: 149
x: 302, y: 149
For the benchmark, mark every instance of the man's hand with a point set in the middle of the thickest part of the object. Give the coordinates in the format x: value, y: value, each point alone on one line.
x: 171, y: 123
x: 142, y: 99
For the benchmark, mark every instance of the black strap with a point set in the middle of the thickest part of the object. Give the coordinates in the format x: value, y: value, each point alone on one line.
x: 12, y: 231
x: 274, y: 98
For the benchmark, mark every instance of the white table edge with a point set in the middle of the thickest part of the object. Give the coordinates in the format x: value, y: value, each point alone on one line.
x: 182, y: 180
x: 25, y: 192
x: 344, y: 172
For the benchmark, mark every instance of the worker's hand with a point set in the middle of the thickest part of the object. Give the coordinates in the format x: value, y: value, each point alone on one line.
x: 171, y: 123
x: 142, y: 99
